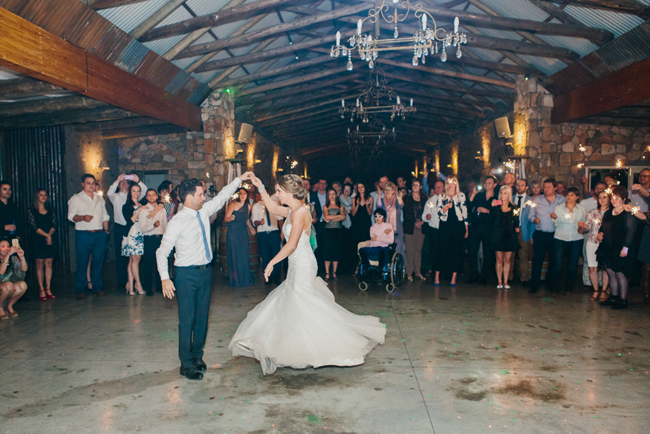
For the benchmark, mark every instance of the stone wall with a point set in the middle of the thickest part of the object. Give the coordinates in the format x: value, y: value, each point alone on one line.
x: 560, y: 151
x: 201, y: 154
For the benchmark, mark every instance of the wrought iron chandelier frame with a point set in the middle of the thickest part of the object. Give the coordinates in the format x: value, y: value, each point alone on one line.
x: 376, y: 91
x: 422, y: 43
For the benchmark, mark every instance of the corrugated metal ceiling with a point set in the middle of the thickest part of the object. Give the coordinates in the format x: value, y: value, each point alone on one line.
x: 129, y: 17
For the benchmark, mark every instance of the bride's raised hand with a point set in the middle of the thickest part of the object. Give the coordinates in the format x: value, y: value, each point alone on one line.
x: 257, y: 182
x: 267, y: 272
x: 247, y: 176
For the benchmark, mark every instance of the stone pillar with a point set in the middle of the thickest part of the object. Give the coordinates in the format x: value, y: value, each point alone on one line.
x: 218, y: 116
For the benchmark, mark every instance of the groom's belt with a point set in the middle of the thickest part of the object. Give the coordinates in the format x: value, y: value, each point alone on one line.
x: 196, y: 267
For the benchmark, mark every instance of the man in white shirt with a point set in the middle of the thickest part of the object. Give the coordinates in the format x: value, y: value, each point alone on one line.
x: 430, y: 215
x: 268, y: 237
x: 117, y: 194
x: 189, y: 233
x: 88, y: 212
x: 520, y: 199
x: 640, y: 193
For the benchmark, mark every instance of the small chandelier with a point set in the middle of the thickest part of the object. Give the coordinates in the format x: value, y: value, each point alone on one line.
x: 372, y: 96
x: 423, y: 42
x: 377, y: 132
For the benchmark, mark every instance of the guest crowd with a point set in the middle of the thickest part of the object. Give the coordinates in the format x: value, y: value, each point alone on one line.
x: 441, y: 228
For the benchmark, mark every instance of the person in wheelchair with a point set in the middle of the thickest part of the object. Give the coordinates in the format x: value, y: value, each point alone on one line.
x: 381, y: 238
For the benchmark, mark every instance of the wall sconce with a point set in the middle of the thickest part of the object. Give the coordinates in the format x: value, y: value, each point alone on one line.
x: 258, y: 161
x: 102, y: 165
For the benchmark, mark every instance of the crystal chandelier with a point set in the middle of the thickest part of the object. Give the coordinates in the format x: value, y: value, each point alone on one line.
x: 422, y: 43
x: 372, y: 97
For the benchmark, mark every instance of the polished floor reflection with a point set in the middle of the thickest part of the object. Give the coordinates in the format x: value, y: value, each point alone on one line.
x: 467, y: 360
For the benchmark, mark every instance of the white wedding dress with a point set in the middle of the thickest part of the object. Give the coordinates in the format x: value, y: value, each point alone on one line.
x: 300, y: 325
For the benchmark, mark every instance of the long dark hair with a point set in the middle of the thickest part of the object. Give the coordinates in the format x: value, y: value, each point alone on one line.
x: 130, y: 198
x: 365, y: 191
x: 337, y: 202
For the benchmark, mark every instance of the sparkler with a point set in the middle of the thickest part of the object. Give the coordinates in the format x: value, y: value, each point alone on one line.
x: 100, y: 193
x: 167, y: 198
x: 635, y: 209
x: 608, y: 190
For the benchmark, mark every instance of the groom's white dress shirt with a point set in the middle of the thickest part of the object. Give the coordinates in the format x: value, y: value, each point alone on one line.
x: 184, y: 232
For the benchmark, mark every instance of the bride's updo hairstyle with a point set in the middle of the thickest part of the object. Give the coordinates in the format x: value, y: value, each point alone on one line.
x: 293, y: 184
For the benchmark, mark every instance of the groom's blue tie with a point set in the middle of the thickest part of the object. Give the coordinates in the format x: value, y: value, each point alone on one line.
x: 208, y: 251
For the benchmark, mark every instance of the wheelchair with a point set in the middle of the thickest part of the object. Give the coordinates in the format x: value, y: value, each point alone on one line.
x: 392, y: 275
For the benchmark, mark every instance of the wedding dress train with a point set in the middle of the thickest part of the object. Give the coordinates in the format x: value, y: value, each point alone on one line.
x: 299, y: 324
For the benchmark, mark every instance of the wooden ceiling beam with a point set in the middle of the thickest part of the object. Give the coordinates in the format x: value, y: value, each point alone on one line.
x: 622, y: 6
x: 627, y: 86
x: 292, y: 81
x: 26, y: 87
x: 49, y: 105
x: 277, y: 71
x: 262, y: 119
x: 65, y: 118
x: 556, y: 12
x: 33, y: 51
x: 141, y: 131
x: 220, y: 17
x: 503, y: 23
x: 156, y: 18
x: 267, y: 54
x: 99, y: 5
x: 418, y: 79
x: 447, y: 73
x: 243, y: 29
x: 247, y: 39
x: 303, y: 102
x: 293, y: 90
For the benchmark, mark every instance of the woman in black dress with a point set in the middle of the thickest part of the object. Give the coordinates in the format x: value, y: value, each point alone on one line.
x: 42, y: 223
x: 616, y: 234
x: 504, y: 235
x: 362, y: 205
x: 333, y: 214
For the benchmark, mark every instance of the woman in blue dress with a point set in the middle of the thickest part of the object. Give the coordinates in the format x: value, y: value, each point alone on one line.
x: 237, y: 247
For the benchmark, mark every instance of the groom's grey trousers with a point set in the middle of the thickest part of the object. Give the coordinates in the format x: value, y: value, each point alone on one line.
x: 193, y: 289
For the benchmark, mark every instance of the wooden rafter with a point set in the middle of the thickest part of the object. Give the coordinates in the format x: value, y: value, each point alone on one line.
x: 247, y: 39
x: 625, y: 87
x: 221, y: 17
x: 107, y: 4
x: 33, y: 51
x: 65, y: 118
x: 623, y: 6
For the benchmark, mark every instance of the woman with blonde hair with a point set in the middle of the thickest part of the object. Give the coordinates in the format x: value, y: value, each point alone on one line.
x: 452, y: 208
x: 504, y: 234
x: 299, y: 324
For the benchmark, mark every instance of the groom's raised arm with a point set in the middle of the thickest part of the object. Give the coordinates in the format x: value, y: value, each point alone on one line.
x: 216, y: 203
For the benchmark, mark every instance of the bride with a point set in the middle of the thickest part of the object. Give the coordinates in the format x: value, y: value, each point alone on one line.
x: 299, y: 324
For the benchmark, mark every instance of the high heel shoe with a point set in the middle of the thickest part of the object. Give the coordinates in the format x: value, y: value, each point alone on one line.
x: 139, y: 290
x: 129, y: 290
x: 49, y: 294
x: 42, y: 296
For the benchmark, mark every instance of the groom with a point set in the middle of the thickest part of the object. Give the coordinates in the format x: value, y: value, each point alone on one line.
x: 189, y: 233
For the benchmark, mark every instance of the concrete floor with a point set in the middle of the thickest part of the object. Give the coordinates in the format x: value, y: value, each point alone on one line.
x: 468, y: 360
